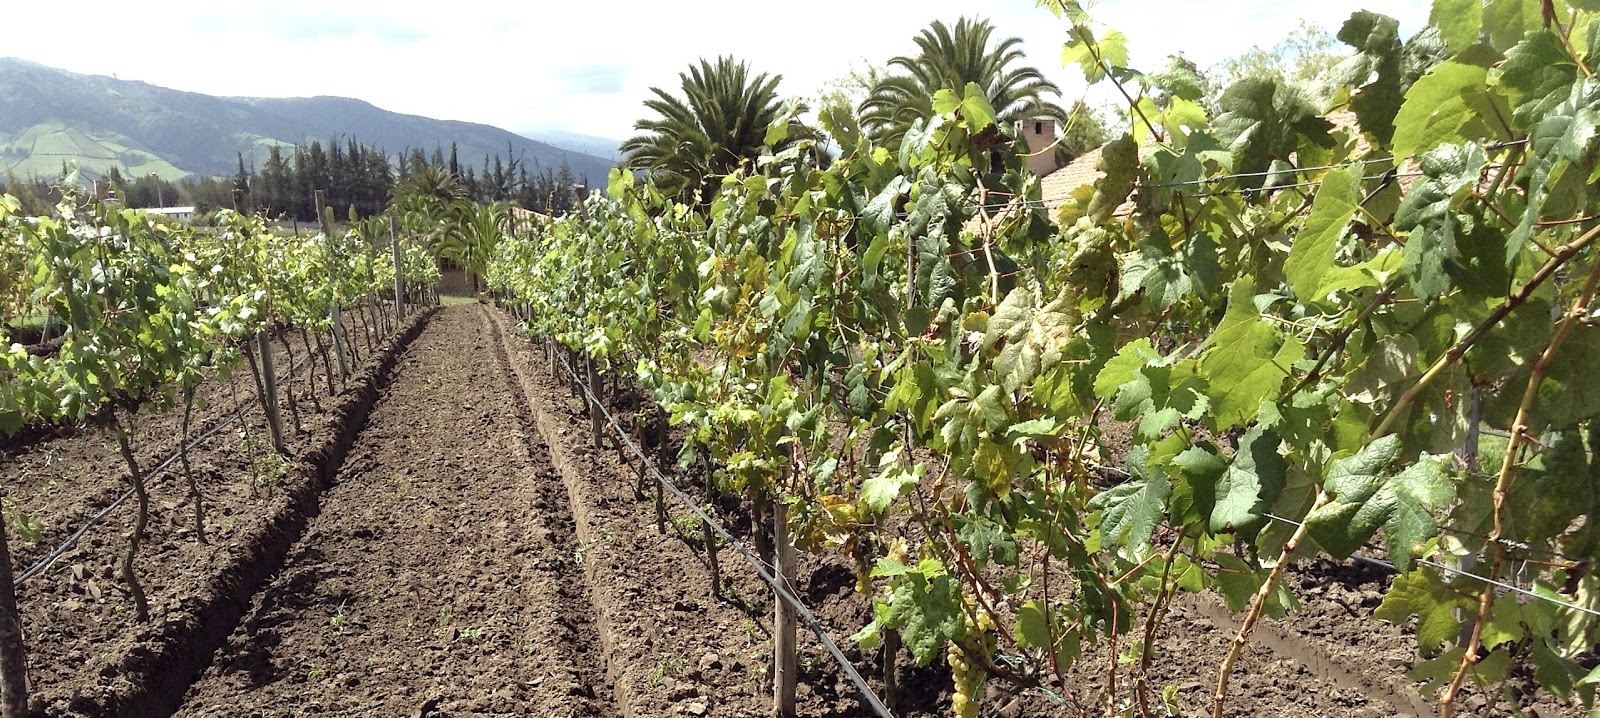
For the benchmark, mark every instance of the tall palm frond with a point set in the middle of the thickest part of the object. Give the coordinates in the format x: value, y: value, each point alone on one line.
x: 949, y: 59
x: 720, y: 121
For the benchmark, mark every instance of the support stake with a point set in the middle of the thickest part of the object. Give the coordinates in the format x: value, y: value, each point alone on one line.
x: 399, y: 275
x: 594, y: 406
x: 269, y: 397
x: 784, y: 658
x: 13, y: 659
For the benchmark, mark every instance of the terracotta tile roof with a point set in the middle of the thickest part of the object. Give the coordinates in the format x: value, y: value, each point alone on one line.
x: 526, y: 218
x: 1056, y: 188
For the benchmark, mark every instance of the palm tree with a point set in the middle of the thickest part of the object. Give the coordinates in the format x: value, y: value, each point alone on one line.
x: 432, y: 204
x: 428, y: 197
x: 948, y: 60
x: 720, y: 122
x: 429, y: 201
x: 471, y: 239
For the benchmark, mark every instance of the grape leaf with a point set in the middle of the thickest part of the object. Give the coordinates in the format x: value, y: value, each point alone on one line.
x: 1568, y: 394
x: 1033, y: 625
x: 1112, y: 49
x: 1180, y: 395
x: 1366, y: 497
x: 1195, y: 496
x: 1243, y: 365
x: 879, y: 214
x: 1459, y: 21
x: 889, y: 484
x: 1158, y: 273
x: 975, y: 109
x: 1250, y: 124
x: 1132, y: 509
x: 1239, y: 582
x: 1554, y: 672
x: 1263, y: 121
x: 1351, y: 482
x: 1119, y: 160
x: 1424, y: 595
x: 1120, y: 369
x: 1561, y: 139
x: 1537, y: 74
x: 1464, y: 23
x: 986, y: 540
x: 925, y: 606
x: 1251, y: 484
x: 1450, y: 170
x: 1374, y: 69
x: 1030, y: 339
x: 927, y: 610
x: 1510, y: 620
x: 1311, y: 255
x: 1554, y: 490
x: 1156, y: 394
x: 1180, y: 80
x: 1445, y: 105
x: 1506, y: 22
x: 1420, y: 490
x: 1067, y: 389
x: 1201, y: 265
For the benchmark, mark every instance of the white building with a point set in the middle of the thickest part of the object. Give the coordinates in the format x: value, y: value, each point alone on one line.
x: 181, y: 214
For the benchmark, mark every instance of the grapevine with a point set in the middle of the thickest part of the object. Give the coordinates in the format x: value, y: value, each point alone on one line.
x: 1292, y: 319
x: 150, y: 310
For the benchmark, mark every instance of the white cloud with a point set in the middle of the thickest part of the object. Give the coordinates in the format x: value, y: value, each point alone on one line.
x: 583, y: 66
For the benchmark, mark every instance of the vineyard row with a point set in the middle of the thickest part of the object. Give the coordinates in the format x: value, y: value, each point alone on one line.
x: 1375, y: 323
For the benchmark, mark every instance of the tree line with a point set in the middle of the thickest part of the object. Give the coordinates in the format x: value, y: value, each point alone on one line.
x: 353, y: 176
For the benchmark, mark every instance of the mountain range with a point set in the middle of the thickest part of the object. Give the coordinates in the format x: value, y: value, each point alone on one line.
x: 50, y: 116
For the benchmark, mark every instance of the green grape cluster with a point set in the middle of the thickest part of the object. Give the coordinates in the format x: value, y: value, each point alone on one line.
x: 966, y: 672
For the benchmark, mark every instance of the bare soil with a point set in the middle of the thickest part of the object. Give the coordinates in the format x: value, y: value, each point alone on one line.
x: 440, y: 576
x: 449, y: 540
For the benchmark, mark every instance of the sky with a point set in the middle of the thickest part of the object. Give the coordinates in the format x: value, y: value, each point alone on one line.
x: 585, y: 66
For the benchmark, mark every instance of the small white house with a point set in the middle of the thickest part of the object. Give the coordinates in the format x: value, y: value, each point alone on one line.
x: 181, y: 214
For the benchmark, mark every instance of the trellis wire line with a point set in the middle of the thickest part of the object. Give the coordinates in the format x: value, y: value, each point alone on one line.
x: 1459, y: 572
x: 1269, y: 173
x: 45, y: 563
x: 49, y: 560
x: 1511, y: 545
x: 779, y: 587
x: 1299, y: 170
x: 1309, y: 183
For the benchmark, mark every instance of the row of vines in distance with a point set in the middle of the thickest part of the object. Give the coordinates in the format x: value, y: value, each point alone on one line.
x: 137, y: 311
x: 1320, y: 335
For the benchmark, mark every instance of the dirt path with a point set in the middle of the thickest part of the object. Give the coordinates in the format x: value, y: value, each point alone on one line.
x: 441, y: 576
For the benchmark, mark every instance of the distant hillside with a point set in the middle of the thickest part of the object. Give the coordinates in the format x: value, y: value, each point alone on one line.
x: 50, y: 116
x: 603, y: 147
